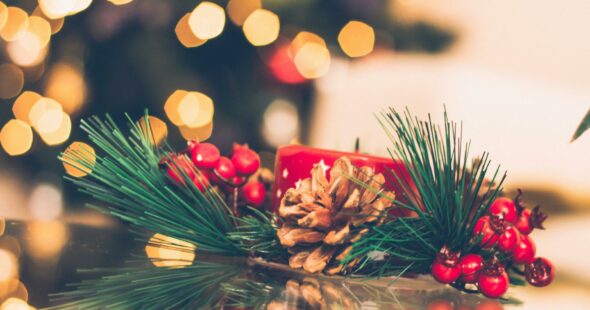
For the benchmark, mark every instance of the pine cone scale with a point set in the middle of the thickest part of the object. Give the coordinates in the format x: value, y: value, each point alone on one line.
x: 322, y: 218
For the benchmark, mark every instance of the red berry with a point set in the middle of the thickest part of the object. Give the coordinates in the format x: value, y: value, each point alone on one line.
x: 245, y: 161
x: 179, y: 166
x: 493, y: 281
x: 530, y: 219
x: 201, y: 182
x: 205, y: 155
x: 508, y: 239
x: 445, y: 274
x: 505, y: 207
x: 225, y: 169
x: 524, y: 252
x: 540, y: 272
x: 470, y: 264
x: 446, y: 268
x: 484, y: 228
x: 523, y: 222
x: 191, y: 144
x: 253, y: 193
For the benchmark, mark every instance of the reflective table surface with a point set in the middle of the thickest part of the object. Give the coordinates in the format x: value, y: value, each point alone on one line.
x: 51, y: 255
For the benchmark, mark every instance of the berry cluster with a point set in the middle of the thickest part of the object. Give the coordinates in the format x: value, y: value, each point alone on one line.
x: 503, y: 233
x: 236, y: 175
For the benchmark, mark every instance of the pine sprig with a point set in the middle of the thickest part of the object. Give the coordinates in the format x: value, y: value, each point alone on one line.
x: 257, y: 234
x: 128, y: 179
x: 447, y: 191
x: 148, y: 287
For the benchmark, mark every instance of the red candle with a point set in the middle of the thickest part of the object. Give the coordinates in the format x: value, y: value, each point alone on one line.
x: 294, y: 163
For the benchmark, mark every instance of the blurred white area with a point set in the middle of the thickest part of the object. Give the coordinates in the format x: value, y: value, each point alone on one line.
x: 516, y: 77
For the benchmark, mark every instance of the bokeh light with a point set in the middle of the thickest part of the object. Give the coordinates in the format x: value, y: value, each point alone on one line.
x: 45, y: 202
x: 207, y: 20
x: 13, y: 79
x: 3, y: 14
x: 54, y: 133
x: 199, y: 133
x: 40, y: 31
x: 44, y: 240
x: 166, y: 251
x: 185, y: 35
x: 356, y: 39
x: 17, y: 22
x: 16, y: 137
x: 171, y: 106
x: 55, y: 23
x: 195, y: 109
x: 15, y: 304
x: 280, y: 123
x: 120, y: 2
x: 40, y: 108
x: 8, y: 265
x: 262, y: 27
x: 66, y: 84
x: 79, y: 6
x: 312, y: 60
x: 49, y: 121
x: 21, y: 53
x: 55, y: 9
x: 157, y: 131
x: 282, y: 66
x: 310, y: 55
x: 13, y: 288
x: 78, y: 159
x: 239, y: 10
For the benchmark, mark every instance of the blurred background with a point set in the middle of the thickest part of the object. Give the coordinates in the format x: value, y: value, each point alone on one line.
x: 279, y: 72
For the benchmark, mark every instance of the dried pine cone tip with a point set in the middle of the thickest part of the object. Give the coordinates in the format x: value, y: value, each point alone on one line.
x: 322, y: 216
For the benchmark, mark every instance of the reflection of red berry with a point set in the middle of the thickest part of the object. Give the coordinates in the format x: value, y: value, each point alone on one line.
x: 440, y: 304
x: 225, y: 169
x: 245, y: 161
x: 470, y: 264
x: 508, y: 239
x: 493, y: 281
x: 524, y: 252
x: 205, y: 155
x: 540, y: 272
x: 178, y: 166
x: 253, y: 193
x: 505, y: 207
x: 446, y: 268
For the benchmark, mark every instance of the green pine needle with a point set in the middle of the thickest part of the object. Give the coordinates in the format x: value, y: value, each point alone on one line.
x: 449, y: 194
x: 128, y: 179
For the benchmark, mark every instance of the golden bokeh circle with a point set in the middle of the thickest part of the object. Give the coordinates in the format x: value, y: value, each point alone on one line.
x: 157, y: 131
x: 79, y: 159
x: 16, y: 137
x: 262, y: 27
x: 185, y: 35
x: 16, y: 25
x: 207, y: 20
x: 239, y: 10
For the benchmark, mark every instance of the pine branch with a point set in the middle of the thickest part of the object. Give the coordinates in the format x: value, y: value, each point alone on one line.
x: 257, y: 234
x: 447, y: 192
x: 148, y: 287
x: 128, y: 179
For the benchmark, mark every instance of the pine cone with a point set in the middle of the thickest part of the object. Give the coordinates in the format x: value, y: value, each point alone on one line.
x: 321, y: 218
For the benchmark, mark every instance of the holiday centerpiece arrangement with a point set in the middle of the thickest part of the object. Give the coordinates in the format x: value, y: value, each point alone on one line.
x: 429, y: 209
